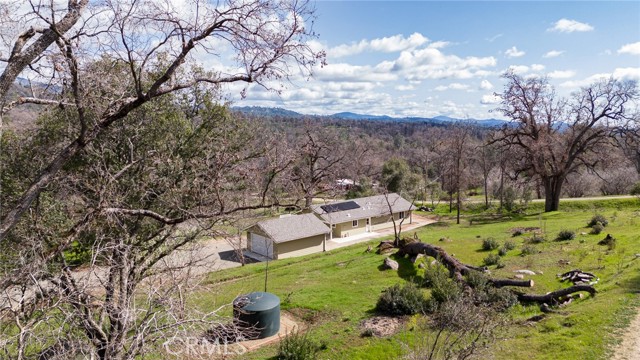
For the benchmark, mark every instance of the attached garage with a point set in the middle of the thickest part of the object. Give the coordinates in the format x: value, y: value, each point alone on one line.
x: 289, y: 236
x: 261, y: 245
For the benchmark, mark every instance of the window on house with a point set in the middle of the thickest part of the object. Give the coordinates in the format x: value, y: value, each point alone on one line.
x: 401, y: 215
x: 368, y: 221
x: 354, y: 223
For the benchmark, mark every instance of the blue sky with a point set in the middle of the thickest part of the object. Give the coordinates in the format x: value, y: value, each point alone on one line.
x: 428, y: 58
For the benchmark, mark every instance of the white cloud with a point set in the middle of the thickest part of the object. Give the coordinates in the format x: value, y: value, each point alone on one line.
x: 490, y: 99
x: 494, y: 38
x: 537, y: 67
x: 552, y: 54
x: 353, y: 73
x: 486, y: 85
x: 405, y: 87
x: 518, y: 69
x: 431, y: 63
x: 439, y: 44
x: 569, y: 26
x: 394, y: 43
x: 452, y: 86
x: 561, y: 74
x: 633, y: 49
x: 513, y: 52
x: 629, y: 73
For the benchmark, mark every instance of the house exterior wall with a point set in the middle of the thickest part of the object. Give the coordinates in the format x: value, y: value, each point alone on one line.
x: 304, y: 246
x: 377, y: 223
x: 346, y: 228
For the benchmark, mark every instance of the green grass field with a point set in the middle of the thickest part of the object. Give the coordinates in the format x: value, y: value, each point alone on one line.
x: 332, y: 292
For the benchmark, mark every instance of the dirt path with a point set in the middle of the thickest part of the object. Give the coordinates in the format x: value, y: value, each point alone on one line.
x: 629, y: 349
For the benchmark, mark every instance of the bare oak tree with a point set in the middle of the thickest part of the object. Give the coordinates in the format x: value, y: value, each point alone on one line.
x: 132, y: 165
x: 152, y: 42
x: 556, y: 137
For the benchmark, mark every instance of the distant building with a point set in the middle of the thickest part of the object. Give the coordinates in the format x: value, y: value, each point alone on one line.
x: 344, y: 184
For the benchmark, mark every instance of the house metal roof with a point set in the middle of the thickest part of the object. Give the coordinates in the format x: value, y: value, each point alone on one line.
x: 372, y: 206
x: 293, y: 227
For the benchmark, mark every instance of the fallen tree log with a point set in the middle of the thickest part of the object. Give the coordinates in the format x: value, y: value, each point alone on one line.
x: 554, y: 296
x: 458, y: 270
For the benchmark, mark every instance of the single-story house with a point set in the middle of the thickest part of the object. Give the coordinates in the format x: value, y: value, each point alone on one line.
x: 288, y: 236
x: 356, y: 216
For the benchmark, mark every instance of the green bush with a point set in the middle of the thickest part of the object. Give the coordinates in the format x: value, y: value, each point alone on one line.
x: 442, y: 292
x: 635, y: 189
x: 434, y: 275
x: 517, y: 232
x: 503, y: 251
x: 564, y: 235
x: 597, y: 228
x: 537, y: 238
x: 500, y: 298
x: 401, y: 300
x: 598, y: 219
x: 492, y: 259
x: 490, y: 244
x: 529, y: 250
x: 477, y: 280
x: 509, y: 245
x: 298, y: 346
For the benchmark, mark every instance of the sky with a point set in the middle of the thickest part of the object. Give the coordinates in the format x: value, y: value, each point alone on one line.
x: 430, y: 58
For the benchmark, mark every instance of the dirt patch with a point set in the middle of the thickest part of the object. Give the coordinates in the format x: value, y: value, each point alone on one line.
x: 381, y: 326
x: 312, y: 317
x: 629, y: 349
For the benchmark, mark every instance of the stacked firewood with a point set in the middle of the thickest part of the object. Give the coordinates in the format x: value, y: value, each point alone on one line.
x: 579, y: 277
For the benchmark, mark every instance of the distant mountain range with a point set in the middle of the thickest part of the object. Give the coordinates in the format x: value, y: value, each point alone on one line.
x: 272, y: 112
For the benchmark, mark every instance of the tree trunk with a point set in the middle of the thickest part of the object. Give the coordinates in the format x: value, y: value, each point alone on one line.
x: 486, y: 193
x: 552, y: 191
x: 458, y: 208
x: 457, y: 270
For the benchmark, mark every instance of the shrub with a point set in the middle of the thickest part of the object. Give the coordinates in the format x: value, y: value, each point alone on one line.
x: 598, y: 219
x: 635, y: 189
x: 509, y: 245
x: 490, y: 244
x: 517, y: 232
x: 500, y: 298
x: 434, y: 275
x: 566, y: 235
x: 401, y: 300
x: 442, y: 292
x: 597, y: 228
x: 297, y: 346
x: 535, y: 239
x: 529, y: 250
x: 492, y: 259
x: 503, y: 251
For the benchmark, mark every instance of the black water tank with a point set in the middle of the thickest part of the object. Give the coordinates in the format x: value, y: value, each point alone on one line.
x: 259, y: 309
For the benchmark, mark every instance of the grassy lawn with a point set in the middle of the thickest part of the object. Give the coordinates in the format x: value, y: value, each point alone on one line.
x: 332, y: 292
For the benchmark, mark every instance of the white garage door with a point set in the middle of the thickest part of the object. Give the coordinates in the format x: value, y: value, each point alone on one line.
x: 261, y: 245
